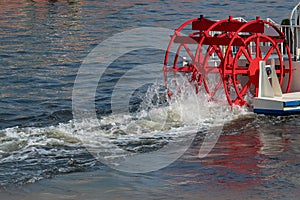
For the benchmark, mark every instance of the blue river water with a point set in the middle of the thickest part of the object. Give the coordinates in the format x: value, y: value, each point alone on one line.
x: 43, y: 45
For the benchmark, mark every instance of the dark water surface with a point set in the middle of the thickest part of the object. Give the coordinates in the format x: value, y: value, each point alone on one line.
x: 42, y: 45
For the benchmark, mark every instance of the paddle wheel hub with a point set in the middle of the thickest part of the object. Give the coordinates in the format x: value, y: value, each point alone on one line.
x: 253, y: 73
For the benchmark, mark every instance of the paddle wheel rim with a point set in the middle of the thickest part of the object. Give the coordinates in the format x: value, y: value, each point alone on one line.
x: 166, y: 59
x: 252, y: 71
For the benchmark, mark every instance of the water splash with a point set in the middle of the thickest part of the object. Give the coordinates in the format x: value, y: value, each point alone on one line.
x: 158, y: 121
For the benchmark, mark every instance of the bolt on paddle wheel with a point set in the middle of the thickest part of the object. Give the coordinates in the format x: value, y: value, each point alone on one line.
x: 224, y: 56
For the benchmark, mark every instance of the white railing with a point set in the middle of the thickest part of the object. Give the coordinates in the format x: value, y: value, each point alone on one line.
x: 291, y: 39
x: 272, y: 21
x: 292, y: 32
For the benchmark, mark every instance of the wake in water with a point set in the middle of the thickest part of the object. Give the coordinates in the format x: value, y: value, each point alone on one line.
x: 156, y: 125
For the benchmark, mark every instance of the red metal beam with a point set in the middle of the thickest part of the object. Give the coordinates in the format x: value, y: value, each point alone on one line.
x: 221, y: 41
x: 230, y: 26
x: 209, y: 40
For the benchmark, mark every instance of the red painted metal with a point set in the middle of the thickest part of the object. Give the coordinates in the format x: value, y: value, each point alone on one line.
x: 208, y: 40
x: 230, y: 25
x: 235, y: 72
x: 237, y: 47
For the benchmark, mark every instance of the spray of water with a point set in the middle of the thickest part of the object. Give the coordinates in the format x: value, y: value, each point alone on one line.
x: 160, y: 130
x: 157, y: 122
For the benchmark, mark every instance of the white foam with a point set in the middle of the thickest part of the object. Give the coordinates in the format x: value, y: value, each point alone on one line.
x: 182, y: 115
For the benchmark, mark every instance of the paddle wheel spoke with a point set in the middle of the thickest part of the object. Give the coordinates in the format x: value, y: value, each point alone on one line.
x: 177, y: 56
x: 206, y: 86
x: 249, y: 52
x: 245, y: 89
x: 240, y: 71
x: 246, y: 53
x: 200, y: 79
x: 218, y: 52
x: 188, y: 50
x: 219, y: 84
x: 200, y: 56
x: 209, y: 53
x: 270, y: 51
x: 199, y: 59
x: 257, y: 45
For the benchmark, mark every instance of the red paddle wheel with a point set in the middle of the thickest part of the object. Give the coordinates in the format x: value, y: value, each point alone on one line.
x: 224, y: 56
